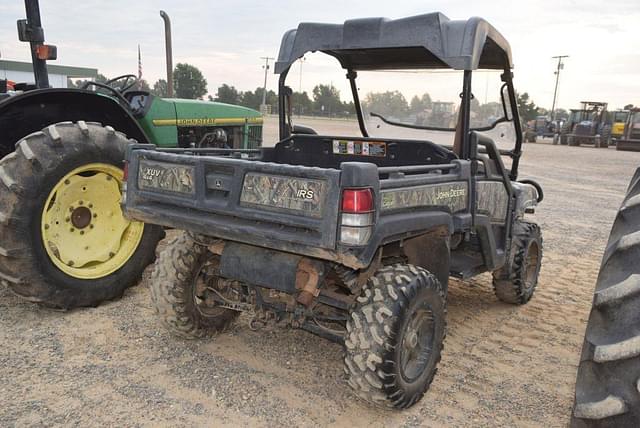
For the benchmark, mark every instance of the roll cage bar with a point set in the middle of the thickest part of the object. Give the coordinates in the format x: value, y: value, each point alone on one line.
x: 430, y: 41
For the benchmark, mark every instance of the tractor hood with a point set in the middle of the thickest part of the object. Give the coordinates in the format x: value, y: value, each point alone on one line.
x: 209, y: 113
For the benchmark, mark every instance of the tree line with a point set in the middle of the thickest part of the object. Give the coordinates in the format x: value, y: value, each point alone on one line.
x: 324, y: 100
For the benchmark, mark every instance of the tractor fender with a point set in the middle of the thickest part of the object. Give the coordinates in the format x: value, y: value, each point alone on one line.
x: 33, y: 111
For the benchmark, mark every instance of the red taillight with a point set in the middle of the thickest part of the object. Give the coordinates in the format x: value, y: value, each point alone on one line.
x: 357, y: 217
x: 125, y: 171
x: 357, y: 201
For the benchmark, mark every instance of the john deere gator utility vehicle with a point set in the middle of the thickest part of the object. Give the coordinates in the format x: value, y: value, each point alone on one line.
x: 63, y: 239
x: 353, y: 238
x: 589, y: 124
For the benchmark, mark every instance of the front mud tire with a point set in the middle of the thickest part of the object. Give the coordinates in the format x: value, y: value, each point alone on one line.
x: 172, y: 290
x: 27, y: 179
x: 516, y: 283
x: 380, y: 331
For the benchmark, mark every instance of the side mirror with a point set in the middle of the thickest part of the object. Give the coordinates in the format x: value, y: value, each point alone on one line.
x: 506, y: 102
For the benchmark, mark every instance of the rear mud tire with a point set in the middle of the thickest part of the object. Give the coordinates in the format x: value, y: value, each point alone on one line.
x: 605, y: 137
x: 378, y: 328
x: 608, y: 380
x: 172, y: 290
x: 27, y: 177
x: 516, y: 283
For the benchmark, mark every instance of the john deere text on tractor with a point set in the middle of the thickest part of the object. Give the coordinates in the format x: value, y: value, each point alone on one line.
x: 352, y: 238
x: 64, y: 241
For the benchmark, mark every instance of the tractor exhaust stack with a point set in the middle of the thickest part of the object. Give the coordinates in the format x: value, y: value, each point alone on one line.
x: 167, y: 37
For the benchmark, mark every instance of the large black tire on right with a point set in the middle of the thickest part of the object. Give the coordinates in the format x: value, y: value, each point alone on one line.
x: 608, y: 382
x: 395, y: 336
x: 27, y: 176
x: 173, y: 279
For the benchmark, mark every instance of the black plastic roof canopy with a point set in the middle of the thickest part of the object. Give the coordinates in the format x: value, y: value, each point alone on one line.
x: 424, y: 41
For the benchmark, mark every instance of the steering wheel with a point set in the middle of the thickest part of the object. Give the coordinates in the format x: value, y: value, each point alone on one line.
x: 128, y: 81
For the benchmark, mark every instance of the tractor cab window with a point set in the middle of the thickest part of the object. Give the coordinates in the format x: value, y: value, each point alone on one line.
x: 620, y: 116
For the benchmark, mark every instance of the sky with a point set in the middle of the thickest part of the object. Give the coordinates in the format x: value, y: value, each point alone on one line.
x: 226, y: 40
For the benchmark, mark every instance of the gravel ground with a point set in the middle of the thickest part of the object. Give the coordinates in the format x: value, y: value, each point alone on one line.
x: 502, y: 365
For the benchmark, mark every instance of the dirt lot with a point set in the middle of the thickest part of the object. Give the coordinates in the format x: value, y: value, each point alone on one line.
x: 502, y: 365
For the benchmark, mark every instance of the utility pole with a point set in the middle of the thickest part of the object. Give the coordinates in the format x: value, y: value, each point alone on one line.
x: 302, y: 60
x: 263, y: 106
x: 555, y: 91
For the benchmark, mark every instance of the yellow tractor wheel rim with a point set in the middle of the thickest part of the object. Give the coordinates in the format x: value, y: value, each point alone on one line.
x: 83, y: 229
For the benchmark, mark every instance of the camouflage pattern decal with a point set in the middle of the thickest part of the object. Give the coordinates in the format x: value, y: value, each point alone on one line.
x: 166, y: 176
x: 304, y: 195
x: 493, y: 200
x: 451, y: 195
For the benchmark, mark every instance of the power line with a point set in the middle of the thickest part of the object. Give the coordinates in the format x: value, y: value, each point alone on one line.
x: 555, y: 90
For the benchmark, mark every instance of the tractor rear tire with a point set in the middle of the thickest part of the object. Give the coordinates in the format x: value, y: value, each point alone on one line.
x: 94, y: 253
x: 608, y: 381
x: 516, y: 283
x: 174, y: 295
x: 605, y: 137
x: 395, y: 336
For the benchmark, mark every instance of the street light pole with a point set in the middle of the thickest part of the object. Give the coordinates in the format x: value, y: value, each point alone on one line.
x: 302, y: 60
x: 263, y: 106
x: 555, y: 91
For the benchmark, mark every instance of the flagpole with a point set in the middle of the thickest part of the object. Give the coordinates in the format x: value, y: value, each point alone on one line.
x: 139, y: 69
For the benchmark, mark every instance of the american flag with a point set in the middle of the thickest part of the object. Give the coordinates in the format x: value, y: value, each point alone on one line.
x: 139, y: 69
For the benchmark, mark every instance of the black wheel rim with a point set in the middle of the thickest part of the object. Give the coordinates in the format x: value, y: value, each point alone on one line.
x: 417, y: 343
x: 532, y: 265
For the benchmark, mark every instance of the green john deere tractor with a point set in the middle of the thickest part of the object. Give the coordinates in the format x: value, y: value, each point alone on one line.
x: 63, y: 239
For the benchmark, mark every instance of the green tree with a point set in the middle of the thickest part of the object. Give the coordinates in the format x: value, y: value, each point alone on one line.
x: 390, y: 103
x: 301, y: 103
x: 79, y: 83
x: 420, y: 104
x: 253, y: 99
x: 188, y: 82
x: 160, y: 88
x: 349, y: 108
x: 227, y: 94
x: 562, y: 114
x: 142, y: 85
x: 526, y: 107
x: 326, y: 100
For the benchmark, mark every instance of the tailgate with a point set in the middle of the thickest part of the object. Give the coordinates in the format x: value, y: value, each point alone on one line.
x: 235, y: 199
